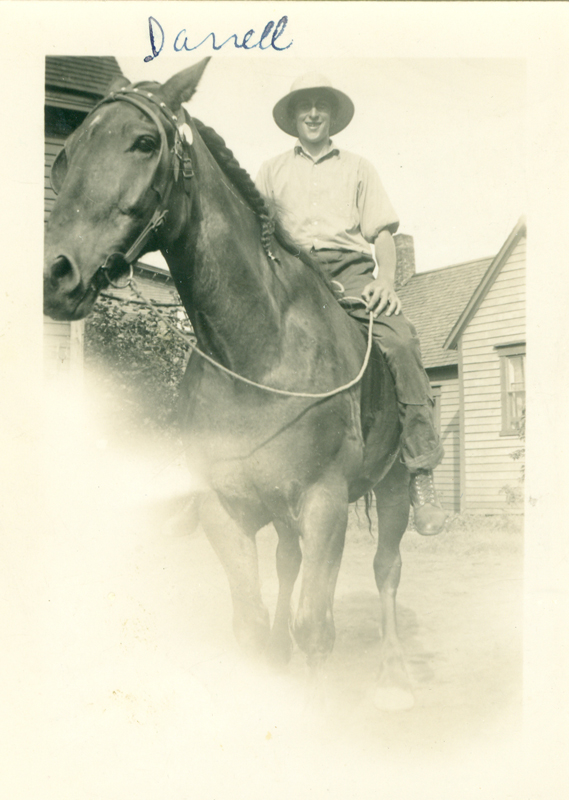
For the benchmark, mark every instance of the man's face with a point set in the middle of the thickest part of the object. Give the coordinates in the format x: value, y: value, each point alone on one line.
x: 313, y: 114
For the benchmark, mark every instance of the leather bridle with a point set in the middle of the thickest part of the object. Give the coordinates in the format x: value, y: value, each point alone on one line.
x: 171, y: 164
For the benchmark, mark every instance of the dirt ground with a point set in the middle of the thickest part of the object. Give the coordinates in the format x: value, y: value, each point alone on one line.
x: 140, y: 692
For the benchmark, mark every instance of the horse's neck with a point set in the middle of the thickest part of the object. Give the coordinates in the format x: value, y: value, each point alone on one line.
x: 223, y: 275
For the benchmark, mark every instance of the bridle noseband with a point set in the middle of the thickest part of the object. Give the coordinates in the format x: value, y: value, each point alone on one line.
x: 171, y: 164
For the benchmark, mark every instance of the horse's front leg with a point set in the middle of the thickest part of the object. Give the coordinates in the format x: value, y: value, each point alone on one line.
x: 236, y: 548
x: 393, y: 690
x: 289, y: 557
x: 323, y: 521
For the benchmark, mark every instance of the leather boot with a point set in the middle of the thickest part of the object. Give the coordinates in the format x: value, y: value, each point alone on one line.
x: 430, y: 517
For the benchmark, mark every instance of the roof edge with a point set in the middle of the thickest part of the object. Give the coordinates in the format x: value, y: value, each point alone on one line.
x: 486, y: 282
x: 471, y: 262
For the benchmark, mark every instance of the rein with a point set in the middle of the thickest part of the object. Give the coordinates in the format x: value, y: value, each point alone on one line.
x: 131, y: 283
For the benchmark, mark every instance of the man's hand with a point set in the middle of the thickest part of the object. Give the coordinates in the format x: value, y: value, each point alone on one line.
x: 379, y: 295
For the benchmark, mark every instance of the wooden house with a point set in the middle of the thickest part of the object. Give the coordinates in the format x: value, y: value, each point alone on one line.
x: 470, y: 318
x: 489, y: 338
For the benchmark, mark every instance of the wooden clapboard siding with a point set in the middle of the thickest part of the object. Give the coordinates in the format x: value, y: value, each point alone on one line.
x: 487, y: 454
x: 485, y: 383
x: 56, y: 345
x: 447, y: 473
x: 506, y: 293
x: 62, y: 349
x: 495, y: 460
x: 493, y: 324
x: 479, y: 480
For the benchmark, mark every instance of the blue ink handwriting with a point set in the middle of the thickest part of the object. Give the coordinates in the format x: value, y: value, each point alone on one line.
x: 267, y: 39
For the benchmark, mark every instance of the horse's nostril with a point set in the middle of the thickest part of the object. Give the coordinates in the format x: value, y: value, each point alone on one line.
x: 64, y: 274
x: 60, y: 268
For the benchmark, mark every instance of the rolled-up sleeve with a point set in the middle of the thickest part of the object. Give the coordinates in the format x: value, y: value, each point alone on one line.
x: 375, y: 210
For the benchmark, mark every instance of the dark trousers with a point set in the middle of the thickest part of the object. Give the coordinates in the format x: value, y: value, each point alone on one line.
x: 398, y: 341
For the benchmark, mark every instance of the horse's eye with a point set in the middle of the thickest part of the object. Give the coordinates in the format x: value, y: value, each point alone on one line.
x: 145, y: 144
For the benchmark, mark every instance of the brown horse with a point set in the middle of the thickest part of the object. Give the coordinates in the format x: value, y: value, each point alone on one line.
x: 140, y: 174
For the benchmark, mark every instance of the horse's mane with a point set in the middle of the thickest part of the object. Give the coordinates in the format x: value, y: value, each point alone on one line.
x: 267, y: 214
x: 240, y: 178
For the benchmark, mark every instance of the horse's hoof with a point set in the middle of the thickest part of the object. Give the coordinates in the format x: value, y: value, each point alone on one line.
x: 392, y: 698
x: 278, y: 655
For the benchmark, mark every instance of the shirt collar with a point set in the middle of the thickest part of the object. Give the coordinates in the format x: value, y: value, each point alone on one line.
x: 332, y: 150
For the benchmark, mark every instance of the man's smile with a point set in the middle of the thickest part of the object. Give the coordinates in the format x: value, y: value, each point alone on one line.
x: 313, y: 116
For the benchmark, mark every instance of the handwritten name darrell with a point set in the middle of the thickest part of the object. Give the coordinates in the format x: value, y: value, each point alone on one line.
x: 249, y: 40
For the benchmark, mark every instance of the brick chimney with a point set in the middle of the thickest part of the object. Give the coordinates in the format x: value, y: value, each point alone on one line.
x: 405, y: 250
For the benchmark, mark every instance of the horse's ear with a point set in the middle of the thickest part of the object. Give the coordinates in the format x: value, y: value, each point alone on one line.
x: 180, y: 88
x: 118, y: 82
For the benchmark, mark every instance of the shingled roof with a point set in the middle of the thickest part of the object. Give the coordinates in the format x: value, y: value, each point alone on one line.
x: 434, y: 301
x: 78, y: 81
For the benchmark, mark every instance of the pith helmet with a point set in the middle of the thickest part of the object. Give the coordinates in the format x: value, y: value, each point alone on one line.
x: 343, y: 112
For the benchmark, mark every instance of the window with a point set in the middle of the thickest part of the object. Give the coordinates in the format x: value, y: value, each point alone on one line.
x: 512, y: 368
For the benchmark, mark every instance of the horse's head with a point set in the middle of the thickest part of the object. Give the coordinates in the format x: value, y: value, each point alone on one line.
x: 114, y: 179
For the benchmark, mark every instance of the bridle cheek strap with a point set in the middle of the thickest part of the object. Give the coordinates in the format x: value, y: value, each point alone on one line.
x: 168, y: 162
x: 139, y: 244
x: 127, y: 259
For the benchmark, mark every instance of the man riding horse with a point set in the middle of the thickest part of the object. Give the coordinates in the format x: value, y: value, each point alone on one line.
x: 276, y: 419
x: 333, y: 204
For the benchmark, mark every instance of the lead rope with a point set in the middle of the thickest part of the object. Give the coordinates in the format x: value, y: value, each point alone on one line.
x: 131, y: 283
